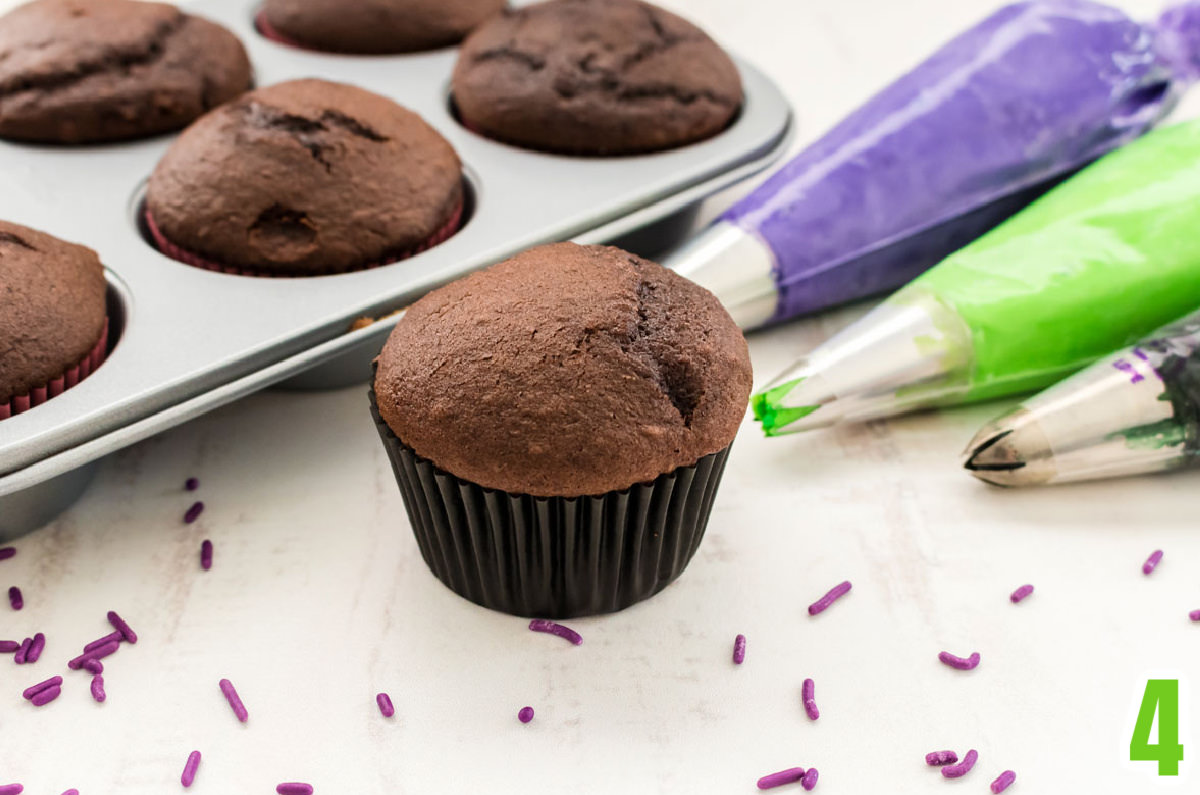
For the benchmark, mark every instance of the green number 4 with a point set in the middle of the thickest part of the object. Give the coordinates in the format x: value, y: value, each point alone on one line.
x: 1162, y: 696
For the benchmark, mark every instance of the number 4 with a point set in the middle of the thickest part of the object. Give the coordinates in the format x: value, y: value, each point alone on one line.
x: 1162, y: 696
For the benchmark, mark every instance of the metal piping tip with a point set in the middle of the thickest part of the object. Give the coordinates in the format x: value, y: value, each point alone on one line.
x: 1002, y: 457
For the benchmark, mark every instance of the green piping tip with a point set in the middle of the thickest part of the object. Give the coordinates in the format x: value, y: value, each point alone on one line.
x: 775, y: 418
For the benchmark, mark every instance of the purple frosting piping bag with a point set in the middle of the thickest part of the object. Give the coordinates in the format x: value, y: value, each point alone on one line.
x: 994, y: 118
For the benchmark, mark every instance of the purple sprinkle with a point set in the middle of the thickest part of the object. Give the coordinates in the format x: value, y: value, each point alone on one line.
x: 939, y: 758
x: 963, y: 767
x: 1152, y: 562
x: 36, y: 648
x: 15, y: 598
x: 93, y: 666
x: 44, y: 697
x: 11, y: 789
x: 525, y: 715
x: 193, y: 513
x: 206, y: 554
x: 95, y: 654
x: 385, y: 705
x: 191, y: 484
x: 1194, y: 616
x: 1003, y: 782
x: 239, y: 708
x: 810, y: 779
x: 23, y: 652
x: 107, y: 639
x: 189, y: 769
x: 71, y: 792
x: 294, y: 788
x: 808, y: 696
x: 789, y: 776
x: 739, y: 649
x: 98, y: 689
x: 1020, y: 594
x: 566, y: 633
x: 8, y: 552
x: 961, y: 663
x: 9, y: 646
x: 33, y: 690
x: 837, y: 592
x: 120, y: 626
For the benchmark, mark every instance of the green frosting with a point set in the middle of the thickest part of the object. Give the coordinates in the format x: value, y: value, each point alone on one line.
x: 1094, y: 265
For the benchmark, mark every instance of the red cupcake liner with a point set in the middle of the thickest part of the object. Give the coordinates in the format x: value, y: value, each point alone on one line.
x: 447, y: 231
x: 269, y: 32
x: 38, y: 395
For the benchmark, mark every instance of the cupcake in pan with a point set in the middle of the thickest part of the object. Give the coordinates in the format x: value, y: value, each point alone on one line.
x: 373, y: 27
x: 83, y: 71
x: 53, y: 324
x: 595, y: 77
x: 304, y: 178
x: 558, y: 425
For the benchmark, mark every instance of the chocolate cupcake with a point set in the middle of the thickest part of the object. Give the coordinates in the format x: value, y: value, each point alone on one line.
x: 83, y: 71
x: 373, y: 27
x: 53, y: 326
x: 595, y: 77
x: 558, y: 424
x: 304, y: 178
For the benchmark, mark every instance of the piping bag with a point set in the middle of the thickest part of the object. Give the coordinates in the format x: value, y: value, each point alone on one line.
x: 1098, y: 262
x: 970, y: 136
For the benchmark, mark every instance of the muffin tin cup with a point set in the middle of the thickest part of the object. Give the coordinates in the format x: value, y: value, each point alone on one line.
x: 69, y: 378
x: 554, y: 557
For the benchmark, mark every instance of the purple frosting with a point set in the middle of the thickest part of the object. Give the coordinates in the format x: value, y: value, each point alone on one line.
x: 982, y: 127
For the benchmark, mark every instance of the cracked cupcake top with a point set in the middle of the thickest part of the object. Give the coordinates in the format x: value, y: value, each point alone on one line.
x: 78, y: 71
x: 602, y: 77
x: 565, y: 371
x: 306, y: 177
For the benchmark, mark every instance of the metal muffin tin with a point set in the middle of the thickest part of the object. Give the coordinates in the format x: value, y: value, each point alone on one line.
x: 187, y: 340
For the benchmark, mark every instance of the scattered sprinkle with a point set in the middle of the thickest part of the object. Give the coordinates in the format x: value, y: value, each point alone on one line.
x: 71, y: 792
x: 294, y: 788
x: 95, y: 654
x: 525, y: 715
x: 33, y: 690
x: 9, y: 646
x: 193, y: 513
x: 939, y: 758
x: 961, y: 663
x: 98, y: 689
x: 810, y: 779
x: 239, y: 709
x: 1003, y: 781
x: 36, y: 647
x: 191, y: 484
x: 120, y: 626
x: 23, y: 652
x: 189, y: 768
x: 739, y: 649
x: 1194, y: 616
x: 206, y: 550
x: 15, y: 598
x: 808, y: 696
x: 837, y: 592
x: 1152, y: 562
x: 1020, y: 594
x: 8, y: 552
x: 114, y: 637
x: 789, y: 776
x: 93, y: 666
x: 385, y: 705
x: 44, y: 697
x: 963, y: 767
x: 11, y: 789
x: 566, y: 633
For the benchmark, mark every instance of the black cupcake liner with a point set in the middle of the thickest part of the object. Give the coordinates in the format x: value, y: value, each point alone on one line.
x: 554, y: 557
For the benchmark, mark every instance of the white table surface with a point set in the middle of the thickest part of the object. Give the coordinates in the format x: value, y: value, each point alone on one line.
x: 318, y: 597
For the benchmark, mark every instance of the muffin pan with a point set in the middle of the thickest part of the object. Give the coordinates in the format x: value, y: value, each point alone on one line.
x: 188, y: 340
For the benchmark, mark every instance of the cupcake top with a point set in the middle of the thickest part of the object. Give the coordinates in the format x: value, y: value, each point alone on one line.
x: 306, y: 177
x: 605, y: 77
x: 78, y: 71
x: 565, y: 371
x: 374, y: 26
x: 52, y: 307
